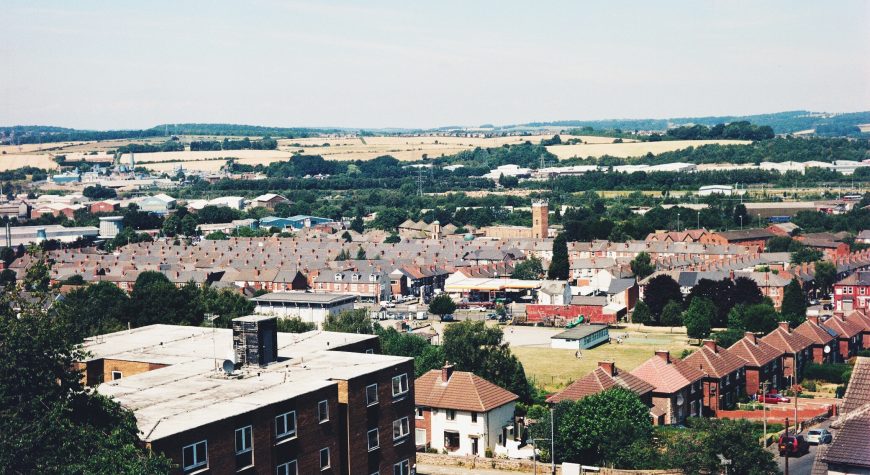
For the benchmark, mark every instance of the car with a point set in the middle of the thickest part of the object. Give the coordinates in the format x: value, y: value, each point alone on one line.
x: 793, y: 445
x: 447, y: 318
x: 775, y: 398
x: 477, y: 309
x: 491, y: 316
x: 389, y: 304
x: 827, y: 306
x: 503, y: 319
x: 819, y: 436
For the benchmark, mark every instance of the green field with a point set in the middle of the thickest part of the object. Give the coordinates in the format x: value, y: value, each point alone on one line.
x: 553, y: 369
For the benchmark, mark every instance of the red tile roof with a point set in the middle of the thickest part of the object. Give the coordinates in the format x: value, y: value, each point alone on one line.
x: 463, y: 391
x: 754, y: 351
x: 861, y: 319
x: 814, y: 332
x: 858, y: 391
x: 844, y: 328
x: 717, y: 362
x: 600, y: 380
x: 667, y: 377
x: 786, y: 341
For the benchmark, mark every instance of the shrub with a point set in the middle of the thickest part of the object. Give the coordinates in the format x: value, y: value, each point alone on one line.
x: 830, y: 373
x: 809, y: 385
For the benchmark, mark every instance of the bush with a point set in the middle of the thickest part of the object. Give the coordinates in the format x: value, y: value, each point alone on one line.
x: 809, y: 385
x: 830, y: 373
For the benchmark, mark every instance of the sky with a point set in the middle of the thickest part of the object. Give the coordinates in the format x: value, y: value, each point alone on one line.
x: 123, y: 64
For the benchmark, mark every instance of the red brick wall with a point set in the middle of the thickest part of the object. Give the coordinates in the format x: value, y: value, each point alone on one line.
x: 305, y: 448
x: 594, y: 314
x: 752, y: 380
x: 818, y: 354
x: 844, y: 348
x: 103, y: 207
x: 426, y: 423
x: 127, y: 368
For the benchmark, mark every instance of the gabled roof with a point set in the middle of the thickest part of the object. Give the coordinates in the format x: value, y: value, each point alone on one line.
x: 463, y: 391
x: 667, y: 377
x: 851, y: 446
x: 786, y: 341
x: 844, y: 328
x: 716, y: 363
x: 601, y: 380
x: 818, y: 334
x: 858, y: 391
x: 746, y: 234
x: 754, y: 351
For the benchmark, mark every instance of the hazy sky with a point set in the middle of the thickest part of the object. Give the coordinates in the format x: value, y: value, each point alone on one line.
x: 125, y: 64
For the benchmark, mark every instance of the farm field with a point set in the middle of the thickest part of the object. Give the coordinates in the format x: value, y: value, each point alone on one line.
x: 629, y: 150
x: 331, y: 148
x: 554, y: 369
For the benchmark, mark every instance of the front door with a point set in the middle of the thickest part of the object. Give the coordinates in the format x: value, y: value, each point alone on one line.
x: 474, y: 445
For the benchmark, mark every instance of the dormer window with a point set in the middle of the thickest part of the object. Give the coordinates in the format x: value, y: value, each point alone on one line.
x: 338, y: 277
x: 354, y: 277
x: 373, y: 278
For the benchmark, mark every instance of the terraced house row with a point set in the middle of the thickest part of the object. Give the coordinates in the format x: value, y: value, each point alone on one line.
x: 713, y: 378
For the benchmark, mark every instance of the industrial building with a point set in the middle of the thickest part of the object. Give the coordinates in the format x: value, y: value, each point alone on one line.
x: 308, y: 307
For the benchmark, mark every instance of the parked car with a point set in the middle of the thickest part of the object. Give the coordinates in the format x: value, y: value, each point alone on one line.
x: 819, y: 436
x: 389, y: 304
x: 447, y: 318
x: 828, y: 306
x: 491, y: 316
x: 477, y: 309
x: 775, y: 398
x: 794, y: 445
x: 503, y: 319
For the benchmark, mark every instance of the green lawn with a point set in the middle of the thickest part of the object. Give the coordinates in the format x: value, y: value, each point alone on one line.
x: 553, y: 369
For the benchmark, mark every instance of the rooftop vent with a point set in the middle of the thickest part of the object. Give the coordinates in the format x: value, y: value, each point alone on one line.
x: 255, y: 340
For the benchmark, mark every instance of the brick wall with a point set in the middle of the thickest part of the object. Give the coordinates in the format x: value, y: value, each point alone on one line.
x: 312, y: 436
x: 359, y: 418
x: 547, y: 313
x: 127, y: 368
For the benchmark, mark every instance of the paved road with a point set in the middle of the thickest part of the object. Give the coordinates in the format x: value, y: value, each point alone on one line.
x: 423, y: 469
x: 802, y: 465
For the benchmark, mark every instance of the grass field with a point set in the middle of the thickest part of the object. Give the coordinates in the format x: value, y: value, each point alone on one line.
x: 553, y: 369
x: 628, y: 150
x: 11, y: 162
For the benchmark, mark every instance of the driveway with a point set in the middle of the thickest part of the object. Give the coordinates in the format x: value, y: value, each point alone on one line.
x: 802, y: 465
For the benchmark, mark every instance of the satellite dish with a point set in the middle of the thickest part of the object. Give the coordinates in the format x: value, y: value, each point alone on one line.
x: 680, y: 400
x: 229, y: 366
x: 827, y: 349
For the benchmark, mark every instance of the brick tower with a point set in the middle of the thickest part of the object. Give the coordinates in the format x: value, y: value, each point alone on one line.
x: 540, y: 217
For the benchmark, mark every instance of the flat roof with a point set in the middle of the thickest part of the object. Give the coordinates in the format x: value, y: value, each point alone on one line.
x: 193, y: 391
x: 304, y: 297
x: 483, y: 283
x: 579, y: 332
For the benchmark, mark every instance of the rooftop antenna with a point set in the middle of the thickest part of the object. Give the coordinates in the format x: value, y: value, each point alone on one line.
x: 419, y: 181
x: 211, y: 317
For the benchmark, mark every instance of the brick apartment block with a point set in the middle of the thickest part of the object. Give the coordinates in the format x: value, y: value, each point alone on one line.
x: 316, y: 402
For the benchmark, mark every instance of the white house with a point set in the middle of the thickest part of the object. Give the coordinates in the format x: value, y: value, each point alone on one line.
x: 554, y: 292
x: 308, y: 307
x: 462, y: 413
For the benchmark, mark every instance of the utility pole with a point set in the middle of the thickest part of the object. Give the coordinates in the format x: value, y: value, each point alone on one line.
x: 787, y: 445
x: 552, y: 443
x: 764, y: 411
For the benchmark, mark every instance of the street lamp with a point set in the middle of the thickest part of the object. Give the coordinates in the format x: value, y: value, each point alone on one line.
x: 678, y: 222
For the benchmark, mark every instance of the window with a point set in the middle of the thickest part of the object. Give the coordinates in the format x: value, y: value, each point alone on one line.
x: 285, y: 425
x: 324, y: 458
x: 116, y: 375
x: 373, y: 439
x: 400, y: 385
x: 370, y: 351
x: 372, y: 394
x: 451, y: 415
x: 400, y: 428
x: 244, y: 454
x: 322, y: 411
x: 195, y: 456
x: 419, y: 413
x: 473, y: 417
x: 402, y: 468
x: 289, y: 468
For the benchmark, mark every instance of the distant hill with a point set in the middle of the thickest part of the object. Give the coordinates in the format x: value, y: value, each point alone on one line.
x: 820, y: 123
x: 825, y: 124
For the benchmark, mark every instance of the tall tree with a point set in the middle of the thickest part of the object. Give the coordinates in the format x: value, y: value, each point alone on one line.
x: 559, y: 266
x: 672, y: 314
x: 746, y: 292
x: 475, y: 347
x: 698, y: 317
x: 528, y: 269
x: 601, y: 429
x: 641, y: 313
x: 697, y: 450
x: 825, y: 276
x: 794, y: 303
x: 51, y: 422
x: 642, y: 266
x: 442, y: 305
x: 95, y: 309
x: 758, y: 318
x: 426, y: 355
x: 660, y: 290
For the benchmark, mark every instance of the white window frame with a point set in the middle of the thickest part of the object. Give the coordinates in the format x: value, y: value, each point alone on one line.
x: 328, y: 459
x: 284, y: 468
x: 377, y: 439
x: 404, y: 467
x: 450, y: 414
x: 399, y: 423
x: 403, y: 389
x: 418, y: 413
x: 287, y: 434
x: 196, y: 463
x: 119, y: 373
x: 250, y: 447
x: 370, y: 402
x: 323, y: 415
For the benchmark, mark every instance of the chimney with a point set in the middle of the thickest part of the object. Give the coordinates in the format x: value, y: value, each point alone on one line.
x: 446, y: 372
x: 751, y: 337
x: 711, y: 345
x: 608, y: 367
x: 784, y: 326
x: 813, y: 318
x: 665, y: 355
x: 255, y: 340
